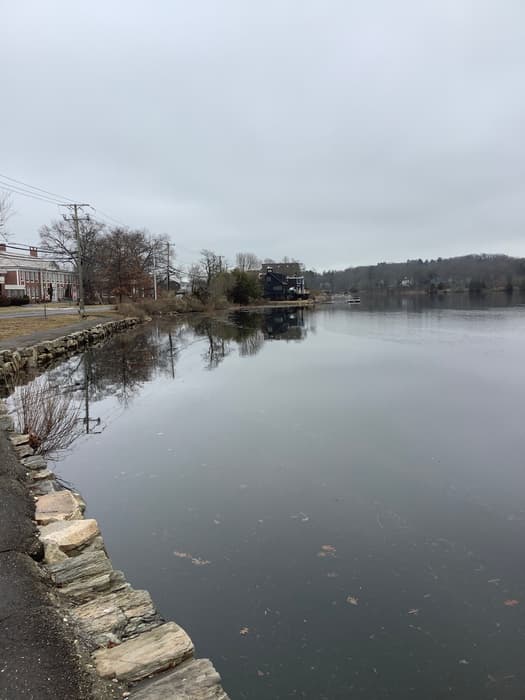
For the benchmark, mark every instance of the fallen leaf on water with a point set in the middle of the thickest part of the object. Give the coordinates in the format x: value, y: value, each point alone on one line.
x: 244, y: 631
x: 413, y: 611
x: 511, y: 602
x: 352, y: 600
x: 196, y: 561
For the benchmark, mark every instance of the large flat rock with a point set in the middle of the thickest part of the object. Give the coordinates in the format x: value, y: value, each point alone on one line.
x: 151, y: 652
x: 58, y: 506
x: 193, y: 680
x: 84, y: 577
x: 34, y: 462
x: 71, y: 535
x: 115, y: 617
x: 17, y: 440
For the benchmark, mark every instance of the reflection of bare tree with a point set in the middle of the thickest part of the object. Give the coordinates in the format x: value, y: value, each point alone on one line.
x: 216, y: 351
x: 121, y: 366
x: 252, y: 344
x: 48, y: 415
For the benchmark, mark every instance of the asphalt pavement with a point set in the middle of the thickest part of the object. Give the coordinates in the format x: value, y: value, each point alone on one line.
x: 39, y: 659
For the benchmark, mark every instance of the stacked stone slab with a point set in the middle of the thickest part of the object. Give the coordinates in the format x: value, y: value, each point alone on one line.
x: 129, y: 641
x: 13, y: 362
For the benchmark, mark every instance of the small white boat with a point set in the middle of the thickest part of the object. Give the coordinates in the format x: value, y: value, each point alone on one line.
x: 353, y: 300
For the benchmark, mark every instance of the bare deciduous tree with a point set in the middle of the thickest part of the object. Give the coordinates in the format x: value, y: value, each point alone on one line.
x: 126, y: 261
x: 6, y: 212
x: 59, y: 240
x: 247, y: 261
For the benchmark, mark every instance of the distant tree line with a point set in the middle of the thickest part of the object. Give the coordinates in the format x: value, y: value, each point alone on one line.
x: 468, y: 272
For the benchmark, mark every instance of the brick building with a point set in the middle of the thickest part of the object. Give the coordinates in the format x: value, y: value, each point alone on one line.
x: 24, y: 274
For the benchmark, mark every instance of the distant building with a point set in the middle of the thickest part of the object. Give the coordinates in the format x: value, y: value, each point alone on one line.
x: 283, y: 281
x: 24, y: 274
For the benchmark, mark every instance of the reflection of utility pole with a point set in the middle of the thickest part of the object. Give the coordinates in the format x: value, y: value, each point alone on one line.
x: 171, y: 354
x: 74, y: 208
x: 168, y: 266
x: 154, y: 276
x: 87, y: 378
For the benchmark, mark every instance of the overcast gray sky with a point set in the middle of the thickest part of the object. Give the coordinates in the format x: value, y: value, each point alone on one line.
x: 339, y: 133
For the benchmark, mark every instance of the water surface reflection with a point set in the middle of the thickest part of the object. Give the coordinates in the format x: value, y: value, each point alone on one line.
x: 332, y: 502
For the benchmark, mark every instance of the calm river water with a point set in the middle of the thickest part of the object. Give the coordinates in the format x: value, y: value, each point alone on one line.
x: 331, y: 502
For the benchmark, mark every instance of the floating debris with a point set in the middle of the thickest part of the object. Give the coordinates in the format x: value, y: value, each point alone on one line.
x: 301, y: 516
x: 463, y: 662
x: 511, y: 602
x: 196, y: 561
x: 352, y: 600
x: 332, y: 574
x: 244, y: 631
x: 494, y: 580
x: 327, y: 550
x: 413, y: 611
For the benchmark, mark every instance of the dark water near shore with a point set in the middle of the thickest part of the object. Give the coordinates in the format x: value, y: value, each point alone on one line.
x: 350, y: 483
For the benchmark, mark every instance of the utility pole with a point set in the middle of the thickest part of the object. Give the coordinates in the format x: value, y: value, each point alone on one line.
x: 74, y: 218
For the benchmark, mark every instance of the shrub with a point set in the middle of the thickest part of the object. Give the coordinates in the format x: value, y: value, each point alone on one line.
x: 20, y: 301
x: 4, y: 301
x: 48, y: 415
x: 130, y: 309
x: 245, y: 288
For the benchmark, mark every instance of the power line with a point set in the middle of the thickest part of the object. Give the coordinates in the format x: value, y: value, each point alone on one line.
x: 40, y: 194
x: 31, y: 195
x: 33, y: 187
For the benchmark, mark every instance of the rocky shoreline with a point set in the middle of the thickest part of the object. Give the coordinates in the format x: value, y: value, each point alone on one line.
x: 122, y: 637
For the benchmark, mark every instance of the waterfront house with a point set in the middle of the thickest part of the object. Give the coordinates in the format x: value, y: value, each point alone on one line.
x: 283, y: 281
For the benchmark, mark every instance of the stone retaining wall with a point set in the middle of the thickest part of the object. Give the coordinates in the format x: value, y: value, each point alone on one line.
x: 13, y: 362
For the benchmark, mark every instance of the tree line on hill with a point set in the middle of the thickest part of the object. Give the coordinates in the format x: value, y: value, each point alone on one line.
x: 467, y: 272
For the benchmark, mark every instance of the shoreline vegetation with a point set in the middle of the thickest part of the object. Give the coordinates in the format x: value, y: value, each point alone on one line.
x: 174, y: 304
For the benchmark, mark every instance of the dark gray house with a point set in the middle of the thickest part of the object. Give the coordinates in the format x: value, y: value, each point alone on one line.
x: 283, y: 281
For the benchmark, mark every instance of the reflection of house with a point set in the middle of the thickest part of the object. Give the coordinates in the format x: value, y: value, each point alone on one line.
x: 284, y: 325
x: 29, y: 275
x: 283, y: 281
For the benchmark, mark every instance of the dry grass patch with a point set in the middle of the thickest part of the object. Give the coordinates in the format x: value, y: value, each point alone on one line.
x: 14, y: 327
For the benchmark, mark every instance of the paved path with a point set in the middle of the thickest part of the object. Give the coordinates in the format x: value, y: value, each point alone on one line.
x: 32, y: 310
x: 38, y: 657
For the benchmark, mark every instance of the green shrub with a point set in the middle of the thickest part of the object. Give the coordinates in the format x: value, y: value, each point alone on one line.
x: 4, y: 301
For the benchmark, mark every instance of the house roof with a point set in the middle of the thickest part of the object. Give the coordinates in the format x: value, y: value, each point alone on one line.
x: 10, y: 261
